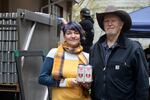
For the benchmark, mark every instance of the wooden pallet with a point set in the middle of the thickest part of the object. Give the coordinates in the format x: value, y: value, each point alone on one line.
x: 9, y: 87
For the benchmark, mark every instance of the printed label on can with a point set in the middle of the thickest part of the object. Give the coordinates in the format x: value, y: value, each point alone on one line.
x: 88, y: 73
x: 80, y: 72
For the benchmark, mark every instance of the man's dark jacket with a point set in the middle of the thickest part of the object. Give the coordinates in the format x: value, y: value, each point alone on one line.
x: 124, y: 77
x: 87, y: 25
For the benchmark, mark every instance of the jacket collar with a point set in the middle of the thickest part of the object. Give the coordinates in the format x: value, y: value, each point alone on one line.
x: 121, y: 41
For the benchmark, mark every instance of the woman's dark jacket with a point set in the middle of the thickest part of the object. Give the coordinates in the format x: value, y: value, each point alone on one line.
x: 124, y: 77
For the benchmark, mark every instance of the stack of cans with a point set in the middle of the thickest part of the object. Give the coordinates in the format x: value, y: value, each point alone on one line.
x: 84, y: 73
x: 8, y: 44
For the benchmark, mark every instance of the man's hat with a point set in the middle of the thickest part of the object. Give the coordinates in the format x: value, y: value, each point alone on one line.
x: 124, y: 16
x: 85, y: 12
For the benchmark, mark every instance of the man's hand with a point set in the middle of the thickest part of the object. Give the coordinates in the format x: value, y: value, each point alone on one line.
x: 85, y: 84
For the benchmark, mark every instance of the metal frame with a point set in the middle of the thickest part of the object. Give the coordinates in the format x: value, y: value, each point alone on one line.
x: 18, y: 54
x: 34, y: 16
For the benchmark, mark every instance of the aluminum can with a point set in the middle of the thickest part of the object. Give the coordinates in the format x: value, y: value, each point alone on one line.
x: 80, y: 73
x: 88, y: 73
x: 84, y: 73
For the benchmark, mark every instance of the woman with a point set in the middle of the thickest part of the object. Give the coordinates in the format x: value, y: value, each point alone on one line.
x: 59, y: 70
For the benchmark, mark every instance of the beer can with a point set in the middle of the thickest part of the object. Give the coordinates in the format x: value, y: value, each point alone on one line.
x: 88, y: 73
x: 84, y: 73
x: 80, y: 71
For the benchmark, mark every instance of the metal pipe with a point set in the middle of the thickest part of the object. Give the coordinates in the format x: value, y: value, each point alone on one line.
x: 29, y: 37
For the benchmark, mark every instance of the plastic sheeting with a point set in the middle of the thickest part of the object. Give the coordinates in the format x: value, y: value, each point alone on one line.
x: 141, y: 20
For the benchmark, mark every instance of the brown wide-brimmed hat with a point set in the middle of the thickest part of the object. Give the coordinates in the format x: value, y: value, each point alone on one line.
x: 124, y: 16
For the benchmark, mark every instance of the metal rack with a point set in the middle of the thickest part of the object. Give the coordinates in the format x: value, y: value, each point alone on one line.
x: 18, y: 56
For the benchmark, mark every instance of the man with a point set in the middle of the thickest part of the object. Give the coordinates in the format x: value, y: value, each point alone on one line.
x: 87, y: 24
x: 147, y: 54
x: 119, y: 65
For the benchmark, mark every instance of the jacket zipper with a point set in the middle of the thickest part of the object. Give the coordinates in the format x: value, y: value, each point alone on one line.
x: 104, y: 71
